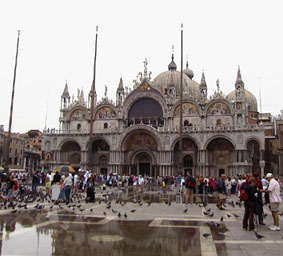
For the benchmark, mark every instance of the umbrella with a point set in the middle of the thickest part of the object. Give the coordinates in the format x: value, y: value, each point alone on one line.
x: 66, y: 169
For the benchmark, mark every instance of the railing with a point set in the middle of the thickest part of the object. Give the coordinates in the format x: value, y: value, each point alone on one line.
x: 159, y: 127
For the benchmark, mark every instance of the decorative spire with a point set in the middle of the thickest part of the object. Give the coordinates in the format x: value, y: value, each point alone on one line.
x: 239, y: 81
x: 121, y: 86
x: 218, y: 85
x: 172, y: 65
x: 202, y: 81
x: 66, y: 91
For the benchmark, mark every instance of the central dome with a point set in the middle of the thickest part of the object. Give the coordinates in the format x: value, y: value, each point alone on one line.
x: 172, y: 78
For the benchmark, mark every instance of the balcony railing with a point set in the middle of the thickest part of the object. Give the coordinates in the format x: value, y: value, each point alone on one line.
x: 159, y: 126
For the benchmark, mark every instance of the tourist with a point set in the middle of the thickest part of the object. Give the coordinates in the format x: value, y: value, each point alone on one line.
x: 259, y: 200
x: 55, y: 187
x: 190, y: 184
x: 222, y: 192
x: 275, y: 199
x: 249, y: 187
x: 68, y: 183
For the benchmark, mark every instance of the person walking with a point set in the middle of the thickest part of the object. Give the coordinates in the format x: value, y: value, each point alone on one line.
x: 55, y: 186
x: 275, y: 200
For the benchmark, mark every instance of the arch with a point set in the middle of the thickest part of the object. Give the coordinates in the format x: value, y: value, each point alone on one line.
x: 221, y: 155
x: 188, y: 161
x: 219, y: 137
x: 65, y: 141
x: 146, y: 129
x: 252, y: 138
x: 140, y: 139
x: 97, y: 138
x: 105, y: 111
x: 189, y: 109
x: 145, y: 107
x: 70, y: 152
x: 219, y: 106
x: 78, y: 113
x: 70, y: 145
x: 98, y: 154
x: 174, y: 143
x: 138, y: 94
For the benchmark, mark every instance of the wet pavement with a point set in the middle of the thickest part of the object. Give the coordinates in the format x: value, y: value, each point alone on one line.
x: 132, y: 229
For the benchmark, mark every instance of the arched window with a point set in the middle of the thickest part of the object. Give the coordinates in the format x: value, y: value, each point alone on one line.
x: 79, y: 127
x: 186, y: 123
x: 105, y: 125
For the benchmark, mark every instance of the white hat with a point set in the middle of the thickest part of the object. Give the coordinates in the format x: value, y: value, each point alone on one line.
x: 269, y: 175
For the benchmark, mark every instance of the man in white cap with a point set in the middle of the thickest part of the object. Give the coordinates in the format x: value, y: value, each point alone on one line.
x: 275, y: 199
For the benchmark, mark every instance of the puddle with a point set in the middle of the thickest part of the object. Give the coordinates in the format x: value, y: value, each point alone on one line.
x: 72, y: 238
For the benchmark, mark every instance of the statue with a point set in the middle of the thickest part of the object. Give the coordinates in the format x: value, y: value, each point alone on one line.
x: 105, y: 92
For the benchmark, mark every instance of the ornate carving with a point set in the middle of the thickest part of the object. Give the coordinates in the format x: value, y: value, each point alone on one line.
x: 218, y: 108
x: 140, y: 140
x: 188, y: 109
x: 105, y: 113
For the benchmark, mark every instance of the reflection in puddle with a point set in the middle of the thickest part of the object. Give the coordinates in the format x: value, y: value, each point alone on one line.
x: 36, y: 233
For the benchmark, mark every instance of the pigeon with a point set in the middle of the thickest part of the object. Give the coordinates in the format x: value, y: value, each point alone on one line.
x: 104, y: 213
x: 211, y: 214
x: 133, y: 211
x: 258, y: 236
x: 205, y: 235
x: 186, y: 210
x: 108, y: 207
x: 236, y: 215
x: 205, y: 213
x: 114, y: 211
x: 222, y: 218
x: 213, y: 224
x: 169, y: 204
x: 149, y: 203
x: 91, y: 209
x: 229, y: 216
x: 125, y: 215
x: 233, y: 204
x: 14, y: 211
x: 119, y: 215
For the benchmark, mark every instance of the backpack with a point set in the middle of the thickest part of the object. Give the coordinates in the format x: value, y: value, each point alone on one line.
x: 190, y: 182
x: 243, y: 194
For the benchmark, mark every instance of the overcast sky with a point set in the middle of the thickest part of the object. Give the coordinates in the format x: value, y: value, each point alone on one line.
x: 57, y: 44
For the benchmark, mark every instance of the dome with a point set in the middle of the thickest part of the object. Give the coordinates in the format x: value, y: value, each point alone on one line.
x: 172, y: 77
x: 188, y: 71
x: 250, y: 99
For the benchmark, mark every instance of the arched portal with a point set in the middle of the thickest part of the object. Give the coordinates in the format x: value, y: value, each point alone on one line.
x: 185, y: 156
x: 98, y: 156
x: 253, y: 151
x: 220, y: 156
x: 140, y: 147
x: 70, y: 154
x: 143, y: 164
x: 146, y: 111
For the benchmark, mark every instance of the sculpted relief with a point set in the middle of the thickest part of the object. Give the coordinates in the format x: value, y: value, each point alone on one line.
x: 141, y: 140
x: 78, y: 115
x: 188, y: 109
x: 218, y: 109
x: 105, y: 113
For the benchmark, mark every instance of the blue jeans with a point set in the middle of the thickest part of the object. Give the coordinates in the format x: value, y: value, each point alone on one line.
x: 67, y: 191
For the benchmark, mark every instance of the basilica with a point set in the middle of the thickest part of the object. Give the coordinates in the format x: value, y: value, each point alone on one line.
x: 162, y: 126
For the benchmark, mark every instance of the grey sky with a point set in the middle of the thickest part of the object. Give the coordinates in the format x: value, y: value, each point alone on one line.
x: 57, y: 44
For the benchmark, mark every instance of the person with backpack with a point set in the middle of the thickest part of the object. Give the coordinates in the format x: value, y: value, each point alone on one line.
x: 190, y: 184
x: 248, y: 194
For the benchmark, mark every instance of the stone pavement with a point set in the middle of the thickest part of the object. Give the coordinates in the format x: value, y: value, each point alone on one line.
x: 227, y: 239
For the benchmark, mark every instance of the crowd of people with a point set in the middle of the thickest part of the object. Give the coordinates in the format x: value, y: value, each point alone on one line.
x: 253, y: 191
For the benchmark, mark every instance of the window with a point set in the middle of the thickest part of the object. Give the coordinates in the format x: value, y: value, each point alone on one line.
x: 79, y: 127
x: 105, y: 126
x: 186, y: 123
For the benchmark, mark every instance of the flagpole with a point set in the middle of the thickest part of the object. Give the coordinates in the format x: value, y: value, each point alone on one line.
x: 12, y: 106
x: 93, y: 91
x: 181, y: 104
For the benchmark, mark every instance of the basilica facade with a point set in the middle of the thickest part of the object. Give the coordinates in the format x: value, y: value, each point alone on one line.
x: 152, y: 130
